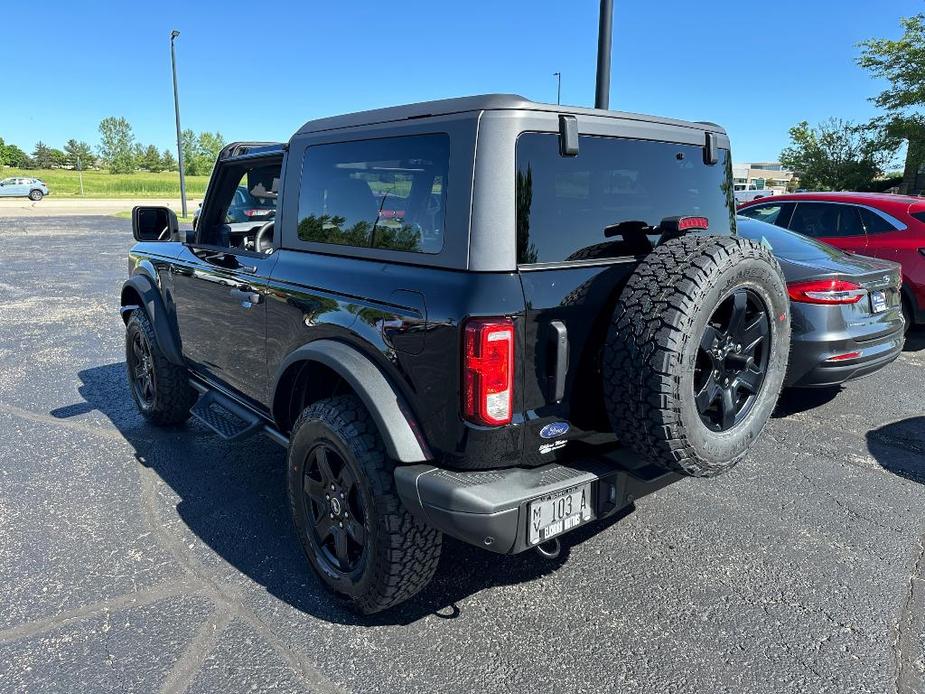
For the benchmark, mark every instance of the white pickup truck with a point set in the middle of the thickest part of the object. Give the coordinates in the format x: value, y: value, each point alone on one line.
x: 746, y: 192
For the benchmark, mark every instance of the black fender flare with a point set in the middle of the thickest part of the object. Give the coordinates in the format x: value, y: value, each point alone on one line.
x: 153, y: 306
x: 401, y: 436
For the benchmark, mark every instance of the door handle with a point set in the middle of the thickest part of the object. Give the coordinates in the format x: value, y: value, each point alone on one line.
x: 247, y: 296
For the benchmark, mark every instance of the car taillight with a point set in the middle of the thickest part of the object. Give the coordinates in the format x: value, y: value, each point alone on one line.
x: 254, y: 213
x: 488, y: 368
x: 832, y: 291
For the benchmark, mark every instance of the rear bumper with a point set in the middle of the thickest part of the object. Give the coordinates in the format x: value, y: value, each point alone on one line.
x: 810, y: 368
x: 488, y: 508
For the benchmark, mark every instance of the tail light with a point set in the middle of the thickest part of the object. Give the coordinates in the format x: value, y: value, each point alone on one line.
x: 831, y: 291
x: 255, y: 212
x: 488, y: 368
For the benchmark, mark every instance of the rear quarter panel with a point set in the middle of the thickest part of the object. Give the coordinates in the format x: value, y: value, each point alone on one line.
x: 407, y: 320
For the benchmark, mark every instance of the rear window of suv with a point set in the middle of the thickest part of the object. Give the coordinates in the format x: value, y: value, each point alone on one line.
x: 387, y: 193
x: 609, y: 200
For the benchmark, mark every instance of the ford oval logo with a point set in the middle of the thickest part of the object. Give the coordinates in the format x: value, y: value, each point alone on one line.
x: 551, y: 431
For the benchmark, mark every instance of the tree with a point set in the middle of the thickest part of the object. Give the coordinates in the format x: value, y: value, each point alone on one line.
x: 200, y: 151
x: 210, y: 145
x: 58, y: 158
x: 11, y: 155
x: 902, y: 63
x: 151, y: 160
x: 836, y: 155
x: 42, y: 156
x: 75, y: 152
x: 168, y: 161
x: 117, y: 145
x: 188, y: 145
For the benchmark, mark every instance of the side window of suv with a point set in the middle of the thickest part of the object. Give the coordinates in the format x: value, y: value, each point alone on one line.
x: 874, y: 223
x: 820, y: 220
x: 777, y: 214
x: 246, y: 200
x: 387, y: 193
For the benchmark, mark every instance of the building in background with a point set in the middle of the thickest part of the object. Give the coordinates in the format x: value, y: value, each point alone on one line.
x: 763, y: 175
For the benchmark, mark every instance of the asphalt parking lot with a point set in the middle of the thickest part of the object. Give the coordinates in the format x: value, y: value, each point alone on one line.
x: 138, y: 559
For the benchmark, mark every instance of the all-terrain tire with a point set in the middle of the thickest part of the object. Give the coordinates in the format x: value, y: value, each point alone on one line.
x: 654, y: 349
x: 400, y: 553
x: 173, y: 395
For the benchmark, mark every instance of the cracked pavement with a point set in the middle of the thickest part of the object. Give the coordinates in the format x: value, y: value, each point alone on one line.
x: 133, y: 558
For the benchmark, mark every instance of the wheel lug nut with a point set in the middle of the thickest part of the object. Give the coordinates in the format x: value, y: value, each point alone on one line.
x: 332, y: 487
x: 341, y: 524
x: 346, y: 515
x: 332, y: 515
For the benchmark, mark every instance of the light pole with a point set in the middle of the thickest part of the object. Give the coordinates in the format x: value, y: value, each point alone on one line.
x: 604, y: 42
x: 558, y: 76
x: 176, y: 104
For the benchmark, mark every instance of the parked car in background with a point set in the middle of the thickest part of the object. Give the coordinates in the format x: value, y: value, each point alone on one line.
x: 881, y: 225
x: 746, y: 192
x: 845, y: 309
x: 20, y: 187
x: 256, y: 205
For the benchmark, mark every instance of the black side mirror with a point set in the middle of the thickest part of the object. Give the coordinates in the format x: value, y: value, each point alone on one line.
x: 155, y: 224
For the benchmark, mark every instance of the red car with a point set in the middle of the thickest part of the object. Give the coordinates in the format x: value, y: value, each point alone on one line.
x: 885, y: 226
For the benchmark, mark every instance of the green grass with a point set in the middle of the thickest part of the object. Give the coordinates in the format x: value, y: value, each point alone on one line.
x: 102, y: 184
x: 127, y: 214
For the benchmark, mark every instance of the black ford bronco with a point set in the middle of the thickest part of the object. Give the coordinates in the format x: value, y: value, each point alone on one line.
x: 486, y: 317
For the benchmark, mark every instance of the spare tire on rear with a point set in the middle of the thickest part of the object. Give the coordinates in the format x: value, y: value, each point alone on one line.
x: 696, y: 352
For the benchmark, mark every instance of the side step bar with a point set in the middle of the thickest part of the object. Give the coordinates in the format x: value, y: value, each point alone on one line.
x: 225, y: 417
x: 231, y: 420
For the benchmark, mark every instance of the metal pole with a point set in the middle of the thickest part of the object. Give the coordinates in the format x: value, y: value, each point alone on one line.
x: 176, y: 103
x: 80, y: 176
x: 558, y: 76
x: 604, y: 43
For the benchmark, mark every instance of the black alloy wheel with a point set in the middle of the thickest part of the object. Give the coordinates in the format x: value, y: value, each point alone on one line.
x: 141, y: 368
x: 335, y: 508
x: 732, y: 360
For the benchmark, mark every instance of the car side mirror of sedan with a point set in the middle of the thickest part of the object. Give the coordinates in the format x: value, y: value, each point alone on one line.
x: 155, y: 224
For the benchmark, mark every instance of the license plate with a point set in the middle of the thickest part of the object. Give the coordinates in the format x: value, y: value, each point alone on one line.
x: 878, y: 301
x: 556, y: 513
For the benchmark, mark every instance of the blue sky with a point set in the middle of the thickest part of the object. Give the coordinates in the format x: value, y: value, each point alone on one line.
x: 258, y: 70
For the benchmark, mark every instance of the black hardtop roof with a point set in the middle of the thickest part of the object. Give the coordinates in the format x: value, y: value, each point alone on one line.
x: 483, y: 102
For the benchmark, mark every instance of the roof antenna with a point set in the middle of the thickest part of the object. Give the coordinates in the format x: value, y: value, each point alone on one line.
x: 604, y: 43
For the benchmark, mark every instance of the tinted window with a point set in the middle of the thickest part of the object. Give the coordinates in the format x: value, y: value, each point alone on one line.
x: 388, y: 193
x: 771, y: 214
x: 874, y: 223
x: 819, y: 220
x: 610, y: 199
x: 786, y: 244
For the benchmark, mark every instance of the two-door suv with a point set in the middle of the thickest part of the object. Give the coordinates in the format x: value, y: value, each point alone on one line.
x: 484, y: 316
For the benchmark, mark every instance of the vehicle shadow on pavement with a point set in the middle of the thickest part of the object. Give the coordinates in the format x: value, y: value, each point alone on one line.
x: 795, y: 400
x: 915, y: 340
x: 900, y: 447
x: 233, y: 497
